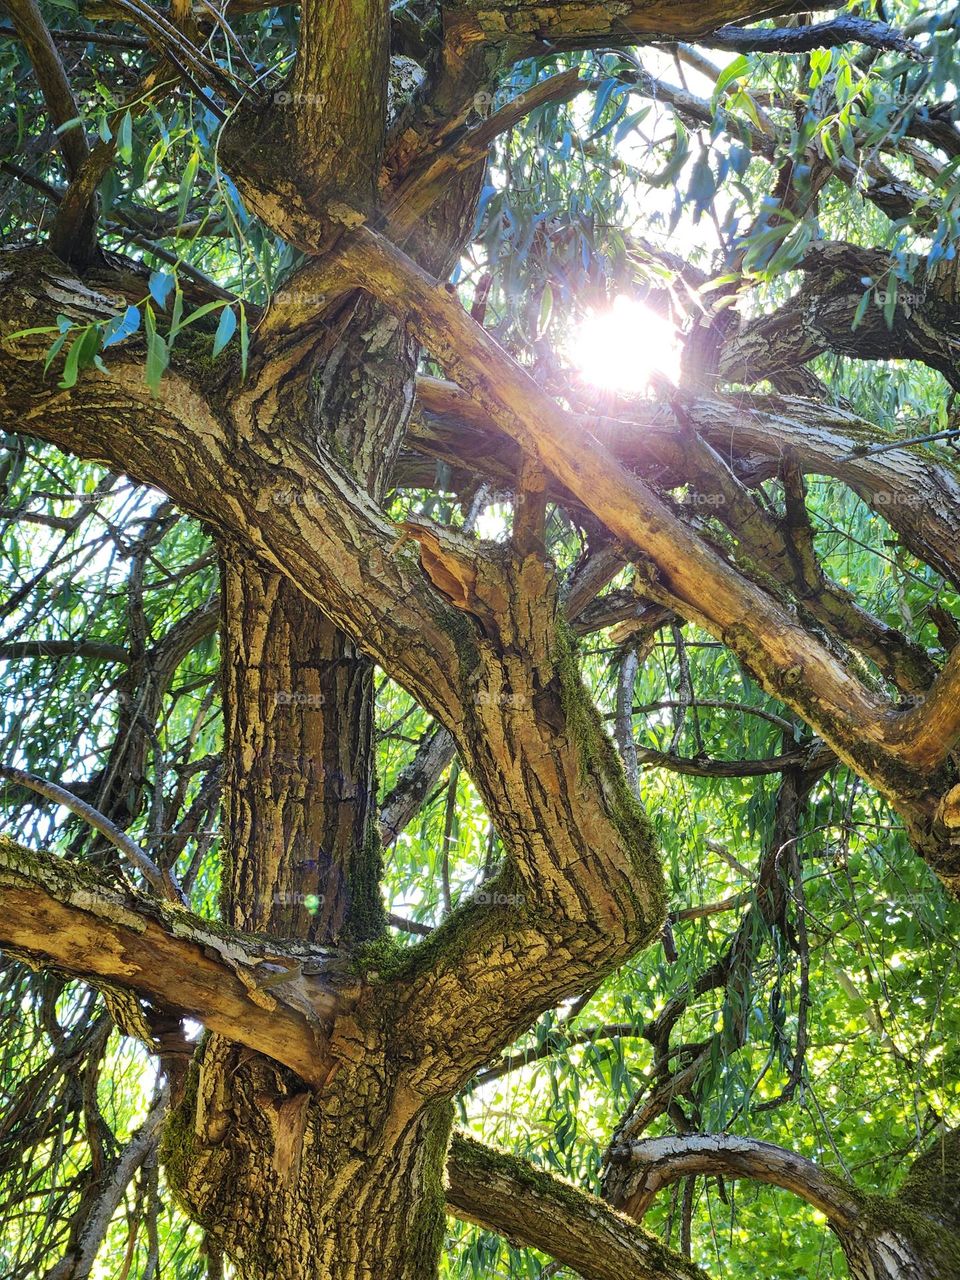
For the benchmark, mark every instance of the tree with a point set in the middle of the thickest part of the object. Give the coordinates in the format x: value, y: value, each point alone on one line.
x: 307, y: 274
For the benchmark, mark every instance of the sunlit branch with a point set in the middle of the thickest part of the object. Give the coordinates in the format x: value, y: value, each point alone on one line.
x: 56, y: 914
x: 506, y: 1194
x: 656, y: 1162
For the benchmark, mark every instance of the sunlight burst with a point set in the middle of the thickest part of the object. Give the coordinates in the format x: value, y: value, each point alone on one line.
x: 624, y: 347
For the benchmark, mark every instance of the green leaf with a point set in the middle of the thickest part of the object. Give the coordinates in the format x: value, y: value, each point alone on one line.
x: 194, y: 315
x: 225, y: 330
x: 861, y: 310
x: 125, y: 138
x: 24, y: 333
x: 186, y: 186
x: 158, y: 353
x: 738, y: 67
x: 80, y: 356
x: 55, y: 350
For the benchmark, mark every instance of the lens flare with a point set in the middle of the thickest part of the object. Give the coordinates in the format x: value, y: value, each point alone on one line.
x: 623, y: 347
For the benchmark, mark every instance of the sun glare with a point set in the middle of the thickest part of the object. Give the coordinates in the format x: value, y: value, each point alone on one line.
x: 623, y: 347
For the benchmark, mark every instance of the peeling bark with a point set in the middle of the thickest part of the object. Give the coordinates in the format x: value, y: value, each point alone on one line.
x: 912, y: 1236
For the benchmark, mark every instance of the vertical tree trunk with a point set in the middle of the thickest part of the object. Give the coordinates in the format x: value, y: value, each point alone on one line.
x: 892, y: 1255
x: 299, y: 783
x: 914, y: 1235
x: 346, y: 1182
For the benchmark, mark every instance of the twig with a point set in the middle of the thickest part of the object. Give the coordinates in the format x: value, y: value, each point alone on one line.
x: 164, y: 884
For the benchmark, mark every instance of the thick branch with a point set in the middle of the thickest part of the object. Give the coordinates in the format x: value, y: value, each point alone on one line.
x: 479, y: 647
x: 659, y: 1161
x: 574, y: 24
x: 531, y: 1207
x: 684, y: 572
x: 57, y: 915
x: 924, y: 323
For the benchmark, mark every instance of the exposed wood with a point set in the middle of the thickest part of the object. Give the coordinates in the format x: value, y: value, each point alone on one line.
x: 60, y: 916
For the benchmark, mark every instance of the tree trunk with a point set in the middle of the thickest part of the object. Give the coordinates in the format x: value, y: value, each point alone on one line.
x: 916, y: 1234
x: 345, y: 1183
x: 300, y: 793
x: 891, y: 1254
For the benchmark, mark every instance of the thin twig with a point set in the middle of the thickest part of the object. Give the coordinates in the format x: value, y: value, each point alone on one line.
x: 164, y: 884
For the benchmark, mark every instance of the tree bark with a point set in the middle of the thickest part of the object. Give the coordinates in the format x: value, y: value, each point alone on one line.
x: 914, y: 1235
x: 298, y: 742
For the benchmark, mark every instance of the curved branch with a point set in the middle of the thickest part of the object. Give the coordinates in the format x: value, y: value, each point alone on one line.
x: 162, y: 882
x: 656, y: 1162
x: 695, y: 767
x: 474, y: 637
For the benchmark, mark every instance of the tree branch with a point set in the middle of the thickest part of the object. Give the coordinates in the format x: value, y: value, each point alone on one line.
x: 57, y: 915
x: 77, y: 1263
x: 684, y: 572
x: 474, y: 637
x: 571, y: 24
x: 163, y: 883
x: 421, y: 775
x: 656, y: 1162
x: 531, y: 1207
x: 62, y: 106
x: 819, y: 35
x: 924, y: 323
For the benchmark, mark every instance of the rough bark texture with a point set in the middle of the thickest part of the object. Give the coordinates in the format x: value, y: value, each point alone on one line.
x: 300, y: 799
x: 913, y: 1236
x: 310, y: 1137
x: 531, y: 1207
x: 342, y: 1181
